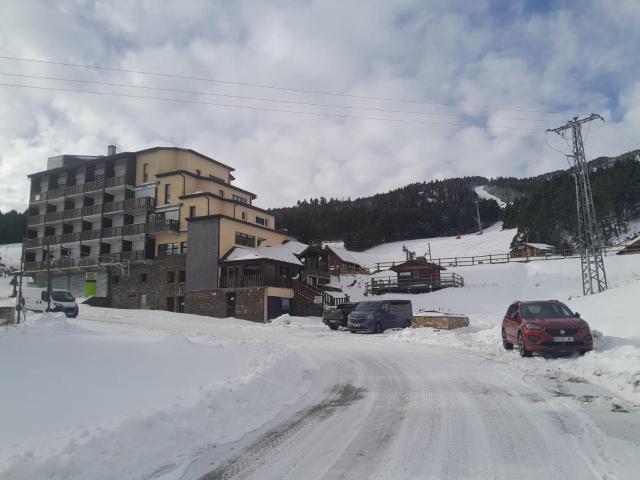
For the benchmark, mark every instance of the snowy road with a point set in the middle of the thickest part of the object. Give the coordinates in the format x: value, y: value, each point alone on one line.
x: 379, y: 411
x: 294, y: 400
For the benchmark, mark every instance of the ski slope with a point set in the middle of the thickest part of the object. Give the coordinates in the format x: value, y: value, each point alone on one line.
x: 493, y: 240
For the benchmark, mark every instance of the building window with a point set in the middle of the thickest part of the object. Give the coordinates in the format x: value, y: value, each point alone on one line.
x: 245, y: 240
x: 192, y: 211
x: 222, y: 193
x: 167, y: 193
x: 262, y: 221
x: 238, y: 198
x: 183, y: 247
x: 168, y: 249
x: 181, y: 304
x: 145, y: 173
x: 143, y: 277
x: 171, y: 304
x: 198, y: 172
x: 182, y: 275
x: 116, y: 280
x: 171, y: 277
x: 244, y: 215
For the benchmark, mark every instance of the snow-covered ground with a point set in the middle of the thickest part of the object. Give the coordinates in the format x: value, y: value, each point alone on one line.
x: 158, y: 395
x: 482, y: 193
x: 10, y: 254
x: 489, y: 289
x: 493, y: 240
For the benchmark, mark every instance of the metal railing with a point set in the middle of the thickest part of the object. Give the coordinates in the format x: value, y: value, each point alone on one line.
x: 146, y: 203
x: 377, y: 286
x: 88, y: 261
x: 110, y: 232
x: 68, y: 190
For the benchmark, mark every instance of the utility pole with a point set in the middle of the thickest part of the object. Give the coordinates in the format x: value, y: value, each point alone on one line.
x: 48, y: 278
x: 594, y: 277
x: 479, y: 222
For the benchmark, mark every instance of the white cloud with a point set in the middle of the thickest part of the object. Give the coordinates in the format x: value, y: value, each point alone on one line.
x: 470, y: 53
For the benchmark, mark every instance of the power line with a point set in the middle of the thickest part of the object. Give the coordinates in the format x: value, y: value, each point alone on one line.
x: 275, y: 87
x: 251, y: 107
x: 262, y: 99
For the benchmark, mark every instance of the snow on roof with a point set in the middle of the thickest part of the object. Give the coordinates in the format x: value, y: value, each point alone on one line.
x: 540, y: 246
x: 281, y: 253
x: 345, y: 255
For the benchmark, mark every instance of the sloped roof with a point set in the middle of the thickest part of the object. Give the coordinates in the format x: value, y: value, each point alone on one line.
x: 540, y: 246
x: 417, y: 262
x: 345, y: 255
x: 285, y: 253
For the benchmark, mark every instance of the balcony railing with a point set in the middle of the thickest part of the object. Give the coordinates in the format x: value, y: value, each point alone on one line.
x: 146, y: 203
x: 257, y: 280
x: 79, y: 262
x: 92, y: 186
x: 111, y: 232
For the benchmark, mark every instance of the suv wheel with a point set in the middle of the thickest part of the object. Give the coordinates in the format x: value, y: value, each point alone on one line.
x: 407, y: 324
x: 378, y: 328
x: 333, y: 327
x: 522, y: 348
x: 505, y: 343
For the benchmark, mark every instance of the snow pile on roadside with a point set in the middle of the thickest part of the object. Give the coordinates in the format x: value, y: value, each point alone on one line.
x: 74, y: 399
x: 613, y: 364
x: 290, y: 321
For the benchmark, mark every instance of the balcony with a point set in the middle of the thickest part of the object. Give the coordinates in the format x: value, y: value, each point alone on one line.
x: 257, y: 280
x: 80, y: 262
x: 146, y: 203
x: 378, y: 286
x: 112, y: 232
x: 100, y: 184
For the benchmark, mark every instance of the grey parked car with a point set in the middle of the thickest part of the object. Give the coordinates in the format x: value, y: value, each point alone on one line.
x: 377, y: 316
x: 337, y: 317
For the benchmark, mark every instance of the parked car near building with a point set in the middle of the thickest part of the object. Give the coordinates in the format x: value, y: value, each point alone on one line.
x: 338, y: 317
x: 377, y: 316
x: 36, y: 300
x: 545, y: 326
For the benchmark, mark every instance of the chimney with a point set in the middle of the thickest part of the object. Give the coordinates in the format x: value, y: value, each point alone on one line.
x: 111, y: 150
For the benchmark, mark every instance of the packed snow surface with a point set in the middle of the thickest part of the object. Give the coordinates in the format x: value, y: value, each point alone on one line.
x: 482, y: 193
x: 494, y: 240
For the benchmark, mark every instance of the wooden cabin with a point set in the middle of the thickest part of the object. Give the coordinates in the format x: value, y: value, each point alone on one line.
x: 632, y: 246
x: 525, y: 250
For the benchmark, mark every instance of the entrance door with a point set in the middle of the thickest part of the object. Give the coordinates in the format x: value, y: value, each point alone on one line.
x: 231, y: 304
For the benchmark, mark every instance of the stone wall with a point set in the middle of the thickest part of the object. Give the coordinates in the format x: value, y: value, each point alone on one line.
x: 250, y: 303
x: 443, y: 321
x: 148, y: 286
x: 210, y: 303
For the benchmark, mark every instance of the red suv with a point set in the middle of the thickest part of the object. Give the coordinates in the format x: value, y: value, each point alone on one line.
x: 545, y: 326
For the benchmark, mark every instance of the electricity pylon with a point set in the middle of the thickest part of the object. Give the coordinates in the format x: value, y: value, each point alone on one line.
x: 594, y: 277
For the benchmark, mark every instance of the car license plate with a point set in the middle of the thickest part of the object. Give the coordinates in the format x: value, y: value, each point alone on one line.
x: 563, y: 339
x: 355, y: 324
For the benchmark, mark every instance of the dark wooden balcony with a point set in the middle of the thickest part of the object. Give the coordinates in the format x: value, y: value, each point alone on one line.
x: 257, y: 280
x: 378, y: 286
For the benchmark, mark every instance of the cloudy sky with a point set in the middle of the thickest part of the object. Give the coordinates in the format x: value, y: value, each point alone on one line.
x: 384, y: 93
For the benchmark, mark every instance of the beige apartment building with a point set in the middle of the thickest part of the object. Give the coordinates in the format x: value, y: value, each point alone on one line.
x: 105, y: 226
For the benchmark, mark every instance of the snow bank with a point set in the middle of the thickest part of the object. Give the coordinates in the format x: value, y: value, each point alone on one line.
x: 74, y: 399
x: 489, y: 289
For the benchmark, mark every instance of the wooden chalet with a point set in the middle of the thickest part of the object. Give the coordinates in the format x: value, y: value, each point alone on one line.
x: 414, y: 276
x: 632, y: 246
x: 524, y: 250
x: 343, y: 262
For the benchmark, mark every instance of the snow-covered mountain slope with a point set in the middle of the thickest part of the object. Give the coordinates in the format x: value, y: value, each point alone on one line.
x: 493, y: 240
x: 482, y: 193
x: 10, y: 254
